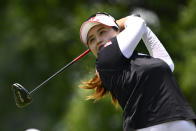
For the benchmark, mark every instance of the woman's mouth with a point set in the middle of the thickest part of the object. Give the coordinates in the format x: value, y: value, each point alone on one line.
x: 99, y: 47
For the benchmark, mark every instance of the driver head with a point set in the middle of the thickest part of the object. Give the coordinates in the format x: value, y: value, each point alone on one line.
x: 21, y: 95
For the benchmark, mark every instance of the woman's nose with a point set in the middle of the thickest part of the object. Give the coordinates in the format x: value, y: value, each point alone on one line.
x: 99, y: 40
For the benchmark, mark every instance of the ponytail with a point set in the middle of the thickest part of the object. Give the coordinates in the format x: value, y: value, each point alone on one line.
x: 96, y: 84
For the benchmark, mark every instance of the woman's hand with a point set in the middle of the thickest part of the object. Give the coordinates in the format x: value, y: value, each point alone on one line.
x: 121, y: 23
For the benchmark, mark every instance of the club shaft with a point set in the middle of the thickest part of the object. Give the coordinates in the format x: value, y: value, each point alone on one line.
x: 61, y: 70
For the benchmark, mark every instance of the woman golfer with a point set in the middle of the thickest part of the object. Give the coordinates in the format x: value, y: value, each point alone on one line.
x: 143, y: 85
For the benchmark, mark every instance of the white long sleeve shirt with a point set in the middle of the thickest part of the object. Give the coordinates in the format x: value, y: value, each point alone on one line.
x: 135, y: 30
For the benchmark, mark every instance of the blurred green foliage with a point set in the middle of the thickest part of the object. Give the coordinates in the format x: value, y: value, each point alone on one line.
x: 37, y: 38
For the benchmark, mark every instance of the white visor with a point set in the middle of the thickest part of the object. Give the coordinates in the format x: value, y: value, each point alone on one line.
x: 98, y: 19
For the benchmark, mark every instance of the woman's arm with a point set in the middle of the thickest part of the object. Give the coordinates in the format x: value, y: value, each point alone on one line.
x: 155, y: 47
x: 134, y: 27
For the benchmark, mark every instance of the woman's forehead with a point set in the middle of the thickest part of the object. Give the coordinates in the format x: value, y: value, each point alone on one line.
x: 96, y: 28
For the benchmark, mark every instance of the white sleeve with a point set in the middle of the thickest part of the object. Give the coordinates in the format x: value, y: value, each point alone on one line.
x: 155, y: 48
x: 131, y: 35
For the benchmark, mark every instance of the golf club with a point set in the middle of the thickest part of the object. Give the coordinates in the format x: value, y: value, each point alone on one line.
x: 23, y: 97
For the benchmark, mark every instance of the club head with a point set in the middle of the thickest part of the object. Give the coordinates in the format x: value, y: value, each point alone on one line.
x: 21, y: 95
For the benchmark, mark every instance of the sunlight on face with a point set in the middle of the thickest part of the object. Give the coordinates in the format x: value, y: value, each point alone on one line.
x: 98, y: 36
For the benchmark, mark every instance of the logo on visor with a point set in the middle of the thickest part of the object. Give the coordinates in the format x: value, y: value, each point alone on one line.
x: 108, y: 43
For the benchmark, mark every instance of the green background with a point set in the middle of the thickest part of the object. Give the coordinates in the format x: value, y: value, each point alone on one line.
x: 38, y: 37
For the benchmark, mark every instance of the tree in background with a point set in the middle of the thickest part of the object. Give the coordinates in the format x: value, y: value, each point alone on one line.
x: 186, y: 36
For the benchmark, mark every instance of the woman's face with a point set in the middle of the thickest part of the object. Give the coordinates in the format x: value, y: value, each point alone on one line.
x: 98, y: 36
